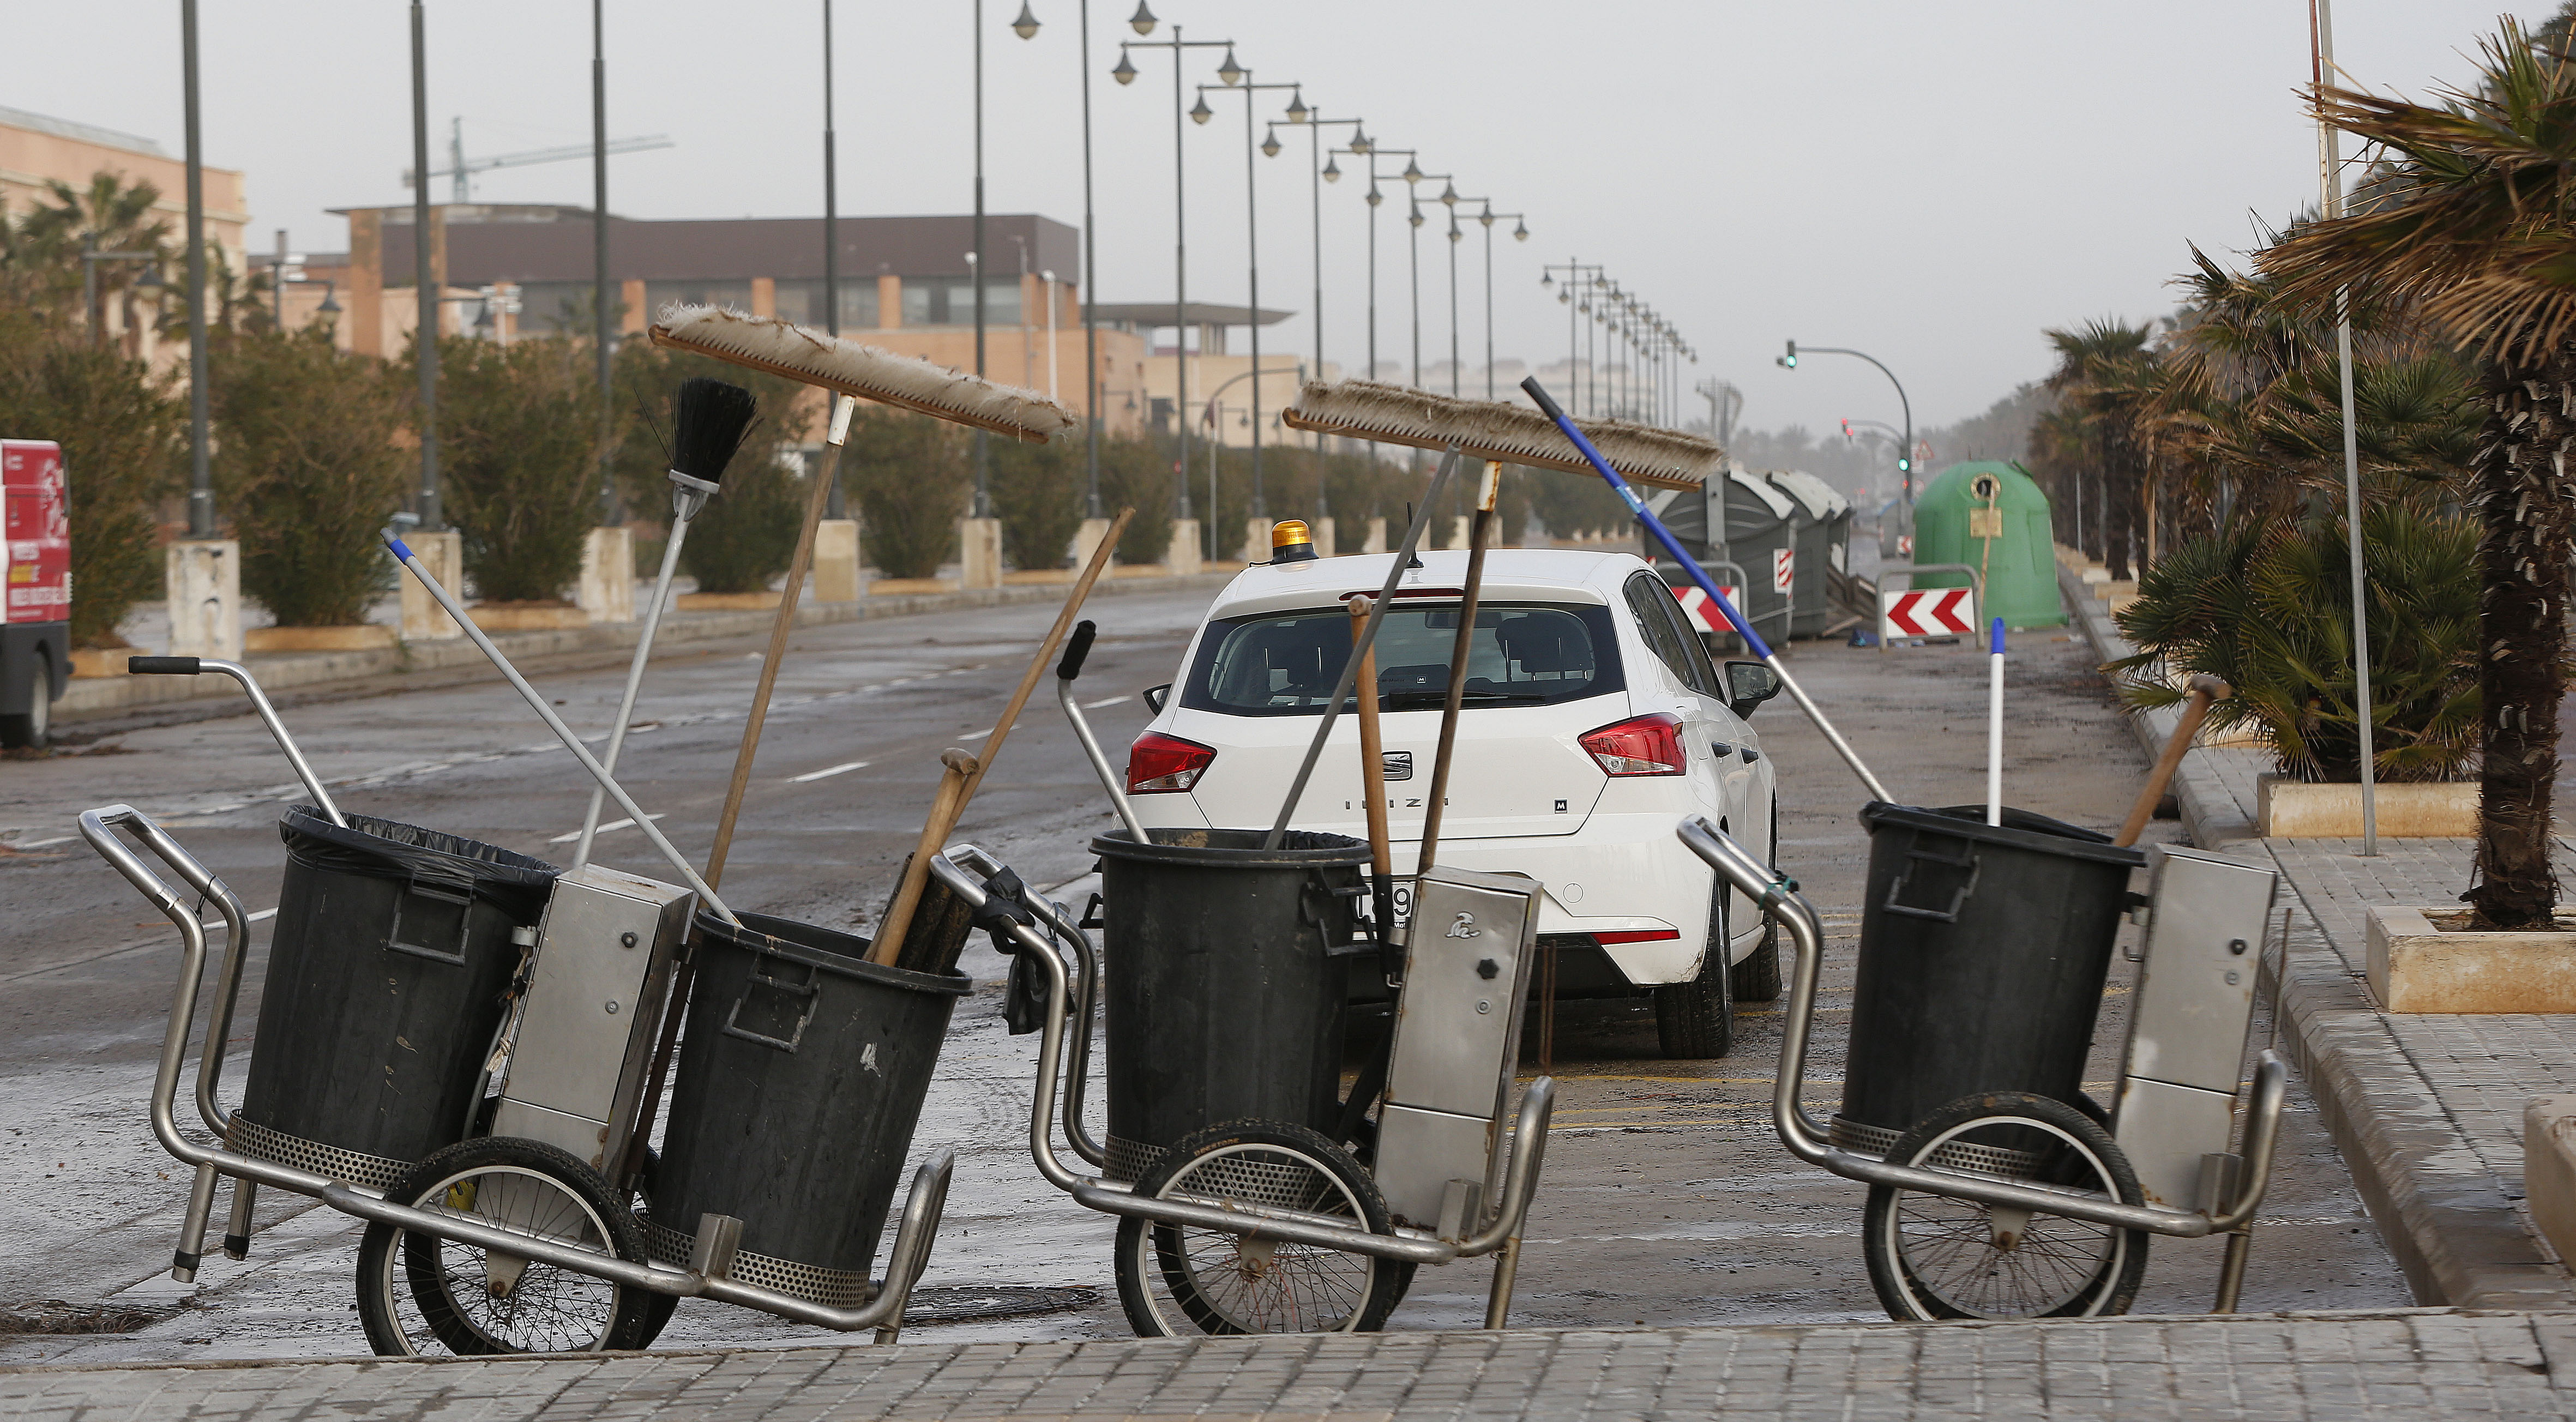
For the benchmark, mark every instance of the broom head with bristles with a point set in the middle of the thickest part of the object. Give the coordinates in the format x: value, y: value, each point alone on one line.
x: 1513, y: 434
x: 815, y: 358
x: 709, y: 419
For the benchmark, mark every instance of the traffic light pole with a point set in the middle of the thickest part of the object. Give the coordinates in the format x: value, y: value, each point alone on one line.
x: 1904, y: 455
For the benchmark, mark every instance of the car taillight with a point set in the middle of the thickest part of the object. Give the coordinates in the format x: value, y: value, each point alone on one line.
x: 1648, y: 745
x: 1636, y: 935
x: 1159, y: 764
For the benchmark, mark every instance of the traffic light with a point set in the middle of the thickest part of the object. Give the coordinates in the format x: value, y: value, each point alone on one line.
x: 1790, y: 361
x: 1904, y: 464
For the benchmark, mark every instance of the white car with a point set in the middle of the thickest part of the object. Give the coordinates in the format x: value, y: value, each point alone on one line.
x: 1593, y: 721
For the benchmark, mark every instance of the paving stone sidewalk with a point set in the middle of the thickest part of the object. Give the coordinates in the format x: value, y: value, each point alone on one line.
x: 2407, y: 1365
x: 2426, y: 1108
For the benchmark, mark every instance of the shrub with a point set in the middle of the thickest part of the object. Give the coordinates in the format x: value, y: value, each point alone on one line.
x: 1037, y: 494
x: 518, y: 430
x: 912, y: 479
x: 125, y: 440
x: 2268, y: 606
x: 306, y: 462
x: 747, y: 533
x: 1137, y: 474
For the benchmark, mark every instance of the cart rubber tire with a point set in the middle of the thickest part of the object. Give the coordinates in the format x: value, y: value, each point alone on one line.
x: 563, y: 1190
x: 1165, y: 1296
x: 1933, y: 1257
x: 32, y: 728
x: 659, y: 1307
x: 1695, y: 1020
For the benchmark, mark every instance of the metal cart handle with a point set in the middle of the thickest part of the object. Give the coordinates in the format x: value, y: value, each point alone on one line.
x: 99, y: 827
x: 192, y: 666
x: 1774, y: 896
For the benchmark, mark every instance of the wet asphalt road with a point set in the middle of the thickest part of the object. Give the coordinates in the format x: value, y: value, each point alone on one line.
x: 1666, y: 1200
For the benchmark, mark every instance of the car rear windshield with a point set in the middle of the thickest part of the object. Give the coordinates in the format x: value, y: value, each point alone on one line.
x: 1524, y: 654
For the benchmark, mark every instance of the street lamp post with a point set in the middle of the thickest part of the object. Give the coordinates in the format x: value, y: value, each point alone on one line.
x: 1026, y: 27
x: 1576, y: 273
x: 1143, y: 22
x: 1905, y: 454
x: 1374, y: 197
x: 975, y: 267
x: 1252, y: 251
x: 425, y: 333
x: 1321, y: 170
x: 1520, y: 233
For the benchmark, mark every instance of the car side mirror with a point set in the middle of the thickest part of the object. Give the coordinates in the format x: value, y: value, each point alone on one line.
x: 1155, y: 696
x: 1749, y: 684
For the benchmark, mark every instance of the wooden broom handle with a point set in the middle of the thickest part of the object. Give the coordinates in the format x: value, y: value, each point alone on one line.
x: 797, y: 567
x: 1372, y: 754
x: 949, y: 802
x: 958, y: 786
x: 2204, y: 690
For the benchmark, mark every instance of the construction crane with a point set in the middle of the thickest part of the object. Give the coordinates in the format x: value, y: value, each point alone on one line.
x: 463, y: 169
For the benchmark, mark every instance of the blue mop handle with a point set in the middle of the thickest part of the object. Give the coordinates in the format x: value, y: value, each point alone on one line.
x: 1547, y: 406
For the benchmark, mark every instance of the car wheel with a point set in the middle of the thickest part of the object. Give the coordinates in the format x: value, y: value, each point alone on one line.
x: 1695, y: 1020
x: 31, y: 729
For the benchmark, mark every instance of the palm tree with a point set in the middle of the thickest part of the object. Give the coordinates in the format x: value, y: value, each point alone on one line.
x: 2103, y: 370
x: 109, y: 215
x: 2474, y: 217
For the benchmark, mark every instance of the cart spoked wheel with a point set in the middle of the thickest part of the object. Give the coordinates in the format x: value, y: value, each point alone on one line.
x: 1937, y: 1257
x: 455, y: 1298
x: 1176, y: 1279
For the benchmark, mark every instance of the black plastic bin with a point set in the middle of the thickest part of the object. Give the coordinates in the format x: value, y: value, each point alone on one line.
x: 1224, y: 997
x: 386, y: 974
x: 801, y: 1075
x: 1983, y: 954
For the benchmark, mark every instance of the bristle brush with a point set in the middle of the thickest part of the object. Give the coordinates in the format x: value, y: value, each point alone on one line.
x: 1511, y: 434
x: 866, y: 372
x: 710, y: 418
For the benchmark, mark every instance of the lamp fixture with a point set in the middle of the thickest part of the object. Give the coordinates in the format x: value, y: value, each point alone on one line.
x: 1143, y: 21
x: 1026, y: 26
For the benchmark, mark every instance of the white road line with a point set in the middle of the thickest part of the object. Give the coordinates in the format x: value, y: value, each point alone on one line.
x: 824, y: 774
x: 1112, y: 701
x: 41, y: 843
x: 603, y: 829
x: 975, y: 735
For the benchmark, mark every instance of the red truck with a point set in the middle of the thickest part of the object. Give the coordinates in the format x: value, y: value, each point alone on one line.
x: 36, y: 569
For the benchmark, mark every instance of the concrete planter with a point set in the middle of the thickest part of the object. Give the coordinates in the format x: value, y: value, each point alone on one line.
x: 2292, y: 809
x: 2421, y: 961
x: 888, y: 587
x: 360, y: 637
x: 101, y: 661
x: 527, y: 616
x: 725, y: 602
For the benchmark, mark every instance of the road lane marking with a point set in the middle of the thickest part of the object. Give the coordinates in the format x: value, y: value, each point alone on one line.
x: 603, y: 829
x: 823, y: 774
x: 1112, y: 701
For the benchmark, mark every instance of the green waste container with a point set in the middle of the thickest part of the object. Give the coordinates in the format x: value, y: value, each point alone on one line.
x: 1990, y: 515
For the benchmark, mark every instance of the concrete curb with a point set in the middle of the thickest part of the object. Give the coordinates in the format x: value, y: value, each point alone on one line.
x: 2455, y: 1234
x: 100, y: 698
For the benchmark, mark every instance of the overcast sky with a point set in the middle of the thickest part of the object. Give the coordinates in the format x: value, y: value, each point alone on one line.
x: 1932, y: 183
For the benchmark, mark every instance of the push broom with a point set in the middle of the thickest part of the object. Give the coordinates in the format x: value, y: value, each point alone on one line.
x: 1622, y: 453
x: 709, y: 419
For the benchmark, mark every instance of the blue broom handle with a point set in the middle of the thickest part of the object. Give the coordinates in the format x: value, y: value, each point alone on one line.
x: 1547, y: 405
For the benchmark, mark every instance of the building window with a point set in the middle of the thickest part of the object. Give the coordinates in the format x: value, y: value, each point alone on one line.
x: 800, y: 299
x: 950, y: 301
x: 658, y: 294
x: 563, y: 307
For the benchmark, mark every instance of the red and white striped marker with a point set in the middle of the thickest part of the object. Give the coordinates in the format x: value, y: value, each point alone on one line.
x: 1703, y: 614
x: 1931, y: 612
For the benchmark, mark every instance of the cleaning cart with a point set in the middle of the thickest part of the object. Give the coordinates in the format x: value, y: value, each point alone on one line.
x: 1998, y: 1189
x: 455, y: 1044
x: 1274, y: 1224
